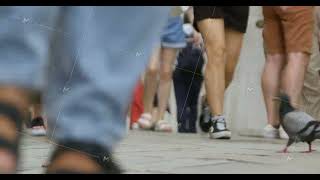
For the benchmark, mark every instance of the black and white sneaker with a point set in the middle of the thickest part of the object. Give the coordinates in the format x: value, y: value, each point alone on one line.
x: 37, y: 127
x: 219, y: 129
x: 205, y: 119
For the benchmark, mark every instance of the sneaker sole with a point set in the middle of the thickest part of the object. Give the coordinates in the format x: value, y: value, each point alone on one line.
x: 38, y: 132
x: 221, y: 135
x: 271, y: 135
x: 163, y: 130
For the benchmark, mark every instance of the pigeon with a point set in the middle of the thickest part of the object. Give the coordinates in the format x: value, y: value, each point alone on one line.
x: 299, y: 126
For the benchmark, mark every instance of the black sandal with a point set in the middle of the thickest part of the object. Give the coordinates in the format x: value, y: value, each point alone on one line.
x: 13, y: 114
x: 95, y: 152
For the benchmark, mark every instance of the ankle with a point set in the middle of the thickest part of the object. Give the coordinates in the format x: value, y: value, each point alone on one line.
x: 276, y: 126
x: 217, y: 117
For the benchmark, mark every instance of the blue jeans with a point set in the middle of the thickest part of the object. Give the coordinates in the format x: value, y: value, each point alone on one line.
x: 187, y: 97
x: 86, y: 60
x: 173, y: 35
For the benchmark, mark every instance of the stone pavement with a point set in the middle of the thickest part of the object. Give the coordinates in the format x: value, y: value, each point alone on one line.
x: 149, y: 152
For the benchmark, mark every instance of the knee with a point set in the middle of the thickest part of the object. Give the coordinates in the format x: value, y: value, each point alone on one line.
x: 275, y: 60
x: 152, y: 71
x: 217, y: 52
x: 298, y: 59
x: 217, y: 49
x: 166, y: 74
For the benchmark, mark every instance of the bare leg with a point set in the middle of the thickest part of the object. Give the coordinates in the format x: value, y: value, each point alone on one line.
x: 168, y: 57
x: 293, y: 75
x: 146, y: 120
x: 233, y: 47
x: 150, y: 83
x: 213, y: 33
x: 271, y: 79
x: 37, y: 110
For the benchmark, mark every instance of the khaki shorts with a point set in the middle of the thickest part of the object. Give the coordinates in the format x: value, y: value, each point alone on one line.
x: 289, y: 30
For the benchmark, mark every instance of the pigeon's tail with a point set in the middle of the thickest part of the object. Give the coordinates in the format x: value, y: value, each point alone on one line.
x: 285, y: 106
x: 317, y: 131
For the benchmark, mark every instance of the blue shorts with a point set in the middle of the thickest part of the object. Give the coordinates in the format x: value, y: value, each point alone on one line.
x: 173, y: 35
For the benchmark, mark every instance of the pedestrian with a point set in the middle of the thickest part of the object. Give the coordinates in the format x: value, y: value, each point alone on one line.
x: 161, y: 68
x: 222, y: 28
x: 95, y: 57
x: 287, y: 33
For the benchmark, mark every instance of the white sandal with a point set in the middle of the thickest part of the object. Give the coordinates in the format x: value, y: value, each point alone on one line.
x: 145, y: 121
x: 163, y: 126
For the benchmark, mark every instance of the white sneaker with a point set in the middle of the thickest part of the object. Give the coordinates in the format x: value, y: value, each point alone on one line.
x: 219, y: 129
x: 38, y: 131
x: 282, y: 133
x: 271, y: 132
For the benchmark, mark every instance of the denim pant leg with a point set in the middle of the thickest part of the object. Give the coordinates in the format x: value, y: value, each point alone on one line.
x: 24, y: 40
x: 93, y: 68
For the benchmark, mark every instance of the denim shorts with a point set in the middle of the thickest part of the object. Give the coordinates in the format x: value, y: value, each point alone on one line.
x: 173, y: 35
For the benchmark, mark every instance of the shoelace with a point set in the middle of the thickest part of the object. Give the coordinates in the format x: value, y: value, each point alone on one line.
x: 220, y: 122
